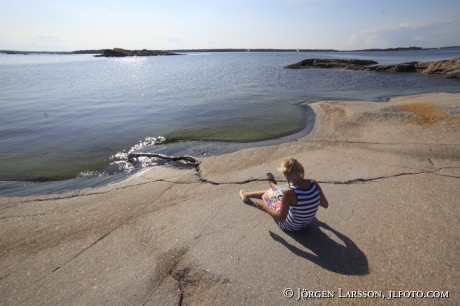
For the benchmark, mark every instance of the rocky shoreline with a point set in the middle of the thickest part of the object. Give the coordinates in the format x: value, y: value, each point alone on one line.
x: 390, y: 171
x: 447, y: 68
x: 118, y: 52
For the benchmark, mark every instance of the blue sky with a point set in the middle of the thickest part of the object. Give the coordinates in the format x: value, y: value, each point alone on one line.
x: 172, y: 24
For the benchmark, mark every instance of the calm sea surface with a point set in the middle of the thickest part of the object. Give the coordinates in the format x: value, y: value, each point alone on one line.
x: 63, y: 116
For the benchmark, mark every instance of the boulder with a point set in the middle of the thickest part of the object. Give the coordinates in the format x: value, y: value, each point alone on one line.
x: 448, y: 68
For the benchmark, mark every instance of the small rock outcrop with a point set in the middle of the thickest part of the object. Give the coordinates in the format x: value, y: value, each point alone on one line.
x: 448, y: 68
x: 332, y: 63
x: 118, y: 52
x: 16, y: 52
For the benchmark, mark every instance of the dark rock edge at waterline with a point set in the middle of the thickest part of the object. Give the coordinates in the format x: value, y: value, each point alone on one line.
x: 447, y: 68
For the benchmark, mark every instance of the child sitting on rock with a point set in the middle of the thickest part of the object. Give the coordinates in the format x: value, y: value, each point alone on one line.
x: 299, y: 202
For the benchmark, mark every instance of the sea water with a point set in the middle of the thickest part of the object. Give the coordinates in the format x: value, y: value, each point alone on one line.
x: 68, y: 116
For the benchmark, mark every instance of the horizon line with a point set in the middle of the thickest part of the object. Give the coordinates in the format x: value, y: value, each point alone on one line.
x: 414, y: 48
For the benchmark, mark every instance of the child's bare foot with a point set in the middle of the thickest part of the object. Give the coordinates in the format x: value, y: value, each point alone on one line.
x: 271, y: 178
x: 244, y: 198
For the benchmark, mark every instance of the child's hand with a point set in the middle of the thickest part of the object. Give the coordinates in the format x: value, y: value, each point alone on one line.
x: 260, y: 205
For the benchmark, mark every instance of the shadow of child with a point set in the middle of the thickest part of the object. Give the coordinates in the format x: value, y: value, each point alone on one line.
x: 345, y: 259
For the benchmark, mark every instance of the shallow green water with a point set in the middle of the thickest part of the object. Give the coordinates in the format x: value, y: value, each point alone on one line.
x: 273, y: 122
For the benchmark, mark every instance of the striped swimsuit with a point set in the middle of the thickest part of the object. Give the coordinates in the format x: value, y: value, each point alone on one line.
x: 301, y: 214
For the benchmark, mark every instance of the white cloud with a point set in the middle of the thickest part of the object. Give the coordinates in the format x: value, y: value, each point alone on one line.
x: 409, y: 25
x: 434, y: 34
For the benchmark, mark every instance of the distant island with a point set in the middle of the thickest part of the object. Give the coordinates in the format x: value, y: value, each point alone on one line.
x: 118, y: 52
x: 100, y: 51
x: 391, y: 49
x: 17, y: 52
x: 447, y: 68
x: 294, y: 50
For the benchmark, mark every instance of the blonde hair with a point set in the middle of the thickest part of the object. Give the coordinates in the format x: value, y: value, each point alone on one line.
x: 291, y: 165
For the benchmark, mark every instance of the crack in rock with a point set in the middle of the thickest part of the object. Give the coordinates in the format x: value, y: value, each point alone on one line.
x: 123, y: 222
x: 24, y: 216
x: 381, y: 143
x: 168, y: 262
x: 192, y: 280
x: 347, y: 182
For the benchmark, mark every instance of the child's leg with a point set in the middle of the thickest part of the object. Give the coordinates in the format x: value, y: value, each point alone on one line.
x: 272, y: 183
x: 254, y: 194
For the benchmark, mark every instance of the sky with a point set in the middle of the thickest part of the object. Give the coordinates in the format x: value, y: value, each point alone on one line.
x: 61, y: 25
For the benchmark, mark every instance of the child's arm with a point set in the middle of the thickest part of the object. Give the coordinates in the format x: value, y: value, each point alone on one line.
x: 287, y: 200
x: 322, y: 198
